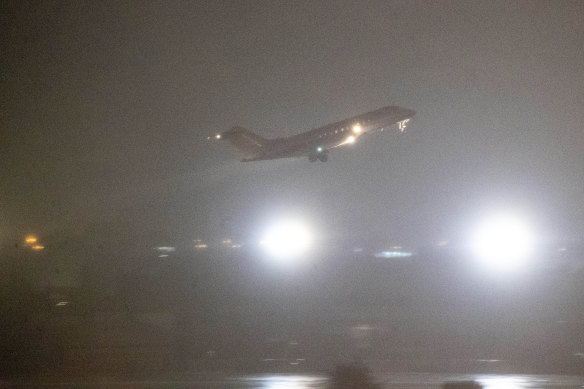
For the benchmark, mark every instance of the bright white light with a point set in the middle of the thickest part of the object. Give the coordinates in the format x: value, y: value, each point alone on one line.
x: 166, y: 249
x: 287, y: 239
x: 393, y: 254
x: 403, y: 124
x: 502, y: 382
x: 357, y: 128
x: 350, y: 139
x: 503, y: 242
x: 218, y: 136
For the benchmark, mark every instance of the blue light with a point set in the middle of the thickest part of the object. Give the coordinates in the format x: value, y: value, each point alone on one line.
x: 393, y: 254
x: 319, y: 149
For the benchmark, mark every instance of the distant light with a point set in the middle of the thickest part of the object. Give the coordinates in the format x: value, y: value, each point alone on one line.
x: 350, y: 139
x: 503, y: 242
x: 218, y: 136
x: 393, y: 254
x: 319, y: 149
x: 443, y: 243
x: 226, y: 241
x: 287, y: 239
x: 31, y: 239
x: 62, y: 303
x: 357, y: 128
x: 163, y: 256
x: 37, y: 247
x: 166, y: 249
x: 235, y: 246
x: 199, y: 244
x: 503, y: 382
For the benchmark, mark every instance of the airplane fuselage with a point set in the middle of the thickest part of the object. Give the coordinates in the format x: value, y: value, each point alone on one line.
x: 317, y: 142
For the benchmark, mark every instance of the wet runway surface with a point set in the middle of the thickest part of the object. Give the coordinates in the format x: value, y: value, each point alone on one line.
x: 387, y: 381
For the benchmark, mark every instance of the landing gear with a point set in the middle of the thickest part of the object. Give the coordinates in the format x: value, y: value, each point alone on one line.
x: 312, y: 157
x: 323, y: 157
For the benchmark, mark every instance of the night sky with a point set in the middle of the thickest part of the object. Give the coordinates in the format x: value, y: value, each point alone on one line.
x: 106, y: 107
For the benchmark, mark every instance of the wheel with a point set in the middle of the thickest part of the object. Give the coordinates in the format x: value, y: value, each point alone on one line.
x: 312, y: 157
x: 323, y: 157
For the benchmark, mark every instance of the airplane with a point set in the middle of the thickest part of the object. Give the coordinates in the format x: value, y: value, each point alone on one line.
x: 317, y: 142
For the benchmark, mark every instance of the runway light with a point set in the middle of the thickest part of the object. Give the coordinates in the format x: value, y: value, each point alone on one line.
x: 393, y: 254
x: 30, y: 240
x: 218, y: 136
x: 357, y: 128
x: 166, y: 249
x: 287, y: 239
x: 503, y: 242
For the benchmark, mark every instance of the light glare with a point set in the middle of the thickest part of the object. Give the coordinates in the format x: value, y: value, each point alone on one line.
x: 503, y: 242
x: 287, y: 239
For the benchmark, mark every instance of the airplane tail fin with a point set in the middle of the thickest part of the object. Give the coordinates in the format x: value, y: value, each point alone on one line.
x: 250, y: 144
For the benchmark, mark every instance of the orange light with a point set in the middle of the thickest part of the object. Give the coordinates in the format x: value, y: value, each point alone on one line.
x: 30, y: 239
x: 38, y: 247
